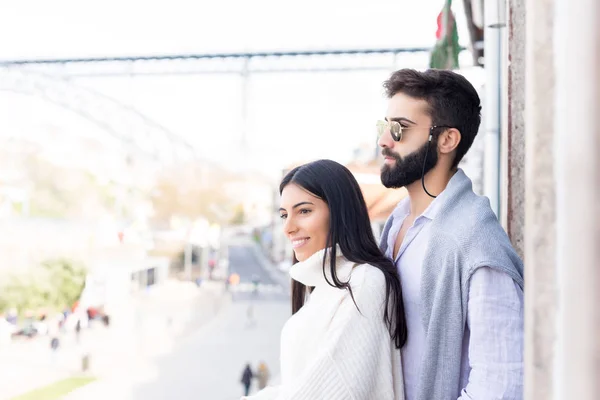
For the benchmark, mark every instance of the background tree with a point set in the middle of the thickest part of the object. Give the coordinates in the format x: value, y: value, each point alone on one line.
x: 51, y: 286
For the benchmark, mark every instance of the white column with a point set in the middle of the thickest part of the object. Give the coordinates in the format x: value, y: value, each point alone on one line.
x: 494, y: 20
x: 540, y: 200
x: 577, y: 156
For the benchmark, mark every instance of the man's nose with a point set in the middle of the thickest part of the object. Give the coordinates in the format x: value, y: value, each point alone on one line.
x: 385, y: 140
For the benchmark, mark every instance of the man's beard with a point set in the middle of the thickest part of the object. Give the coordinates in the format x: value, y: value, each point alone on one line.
x: 408, y: 169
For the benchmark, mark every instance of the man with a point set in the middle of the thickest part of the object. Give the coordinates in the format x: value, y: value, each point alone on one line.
x: 462, y: 281
x: 246, y: 380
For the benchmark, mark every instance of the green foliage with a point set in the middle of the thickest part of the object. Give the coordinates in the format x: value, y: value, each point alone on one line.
x: 53, y: 285
x: 446, y: 50
x: 239, y: 216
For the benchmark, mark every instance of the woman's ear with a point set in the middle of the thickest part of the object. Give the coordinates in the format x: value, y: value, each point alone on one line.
x: 448, y: 141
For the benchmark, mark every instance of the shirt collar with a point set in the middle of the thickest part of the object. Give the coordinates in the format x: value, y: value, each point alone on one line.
x: 403, y: 208
x: 310, y: 271
x: 433, y: 208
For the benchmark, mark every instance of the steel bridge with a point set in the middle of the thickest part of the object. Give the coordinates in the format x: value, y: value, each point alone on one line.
x: 54, y: 80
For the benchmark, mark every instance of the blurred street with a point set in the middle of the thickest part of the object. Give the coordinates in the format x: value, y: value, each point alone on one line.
x: 207, y: 362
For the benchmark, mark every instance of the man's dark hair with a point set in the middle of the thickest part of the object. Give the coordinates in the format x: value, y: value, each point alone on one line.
x: 452, y: 99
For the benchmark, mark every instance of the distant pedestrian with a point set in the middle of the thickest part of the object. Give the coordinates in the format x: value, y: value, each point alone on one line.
x: 54, y: 334
x: 262, y: 374
x: 54, y: 345
x: 78, y: 331
x: 246, y: 380
x: 211, y: 267
x: 250, y: 322
x: 255, y: 284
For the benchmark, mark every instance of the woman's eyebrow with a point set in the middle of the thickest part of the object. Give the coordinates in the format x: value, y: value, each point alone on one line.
x: 297, y: 205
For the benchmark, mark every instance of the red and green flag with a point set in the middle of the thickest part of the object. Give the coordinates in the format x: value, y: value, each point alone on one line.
x: 446, y: 49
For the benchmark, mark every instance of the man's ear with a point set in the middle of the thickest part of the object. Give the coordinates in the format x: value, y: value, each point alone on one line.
x: 448, y: 141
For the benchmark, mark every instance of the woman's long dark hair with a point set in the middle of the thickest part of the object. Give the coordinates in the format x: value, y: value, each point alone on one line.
x: 350, y: 228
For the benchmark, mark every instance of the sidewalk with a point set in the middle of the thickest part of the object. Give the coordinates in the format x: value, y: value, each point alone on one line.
x: 205, y: 365
x: 157, y: 319
x: 203, y: 362
x: 158, y: 335
x: 160, y: 318
x: 29, y: 364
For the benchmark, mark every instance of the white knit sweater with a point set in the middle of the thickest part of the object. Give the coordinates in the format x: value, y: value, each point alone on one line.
x: 332, y: 351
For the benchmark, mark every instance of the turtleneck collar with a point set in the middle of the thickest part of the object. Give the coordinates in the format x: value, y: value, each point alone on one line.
x: 310, y: 271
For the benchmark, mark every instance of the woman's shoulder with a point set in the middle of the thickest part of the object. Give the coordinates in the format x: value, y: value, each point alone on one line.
x: 368, y: 280
x: 368, y: 272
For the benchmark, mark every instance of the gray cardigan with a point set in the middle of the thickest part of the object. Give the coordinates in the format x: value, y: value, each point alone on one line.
x: 465, y: 235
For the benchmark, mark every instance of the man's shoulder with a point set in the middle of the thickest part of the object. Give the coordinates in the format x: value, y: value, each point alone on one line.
x: 468, y: 217
x: 470, y: 230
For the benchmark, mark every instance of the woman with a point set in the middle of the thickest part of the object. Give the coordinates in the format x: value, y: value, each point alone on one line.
x: 343, y: 339
x: 262, y: 374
